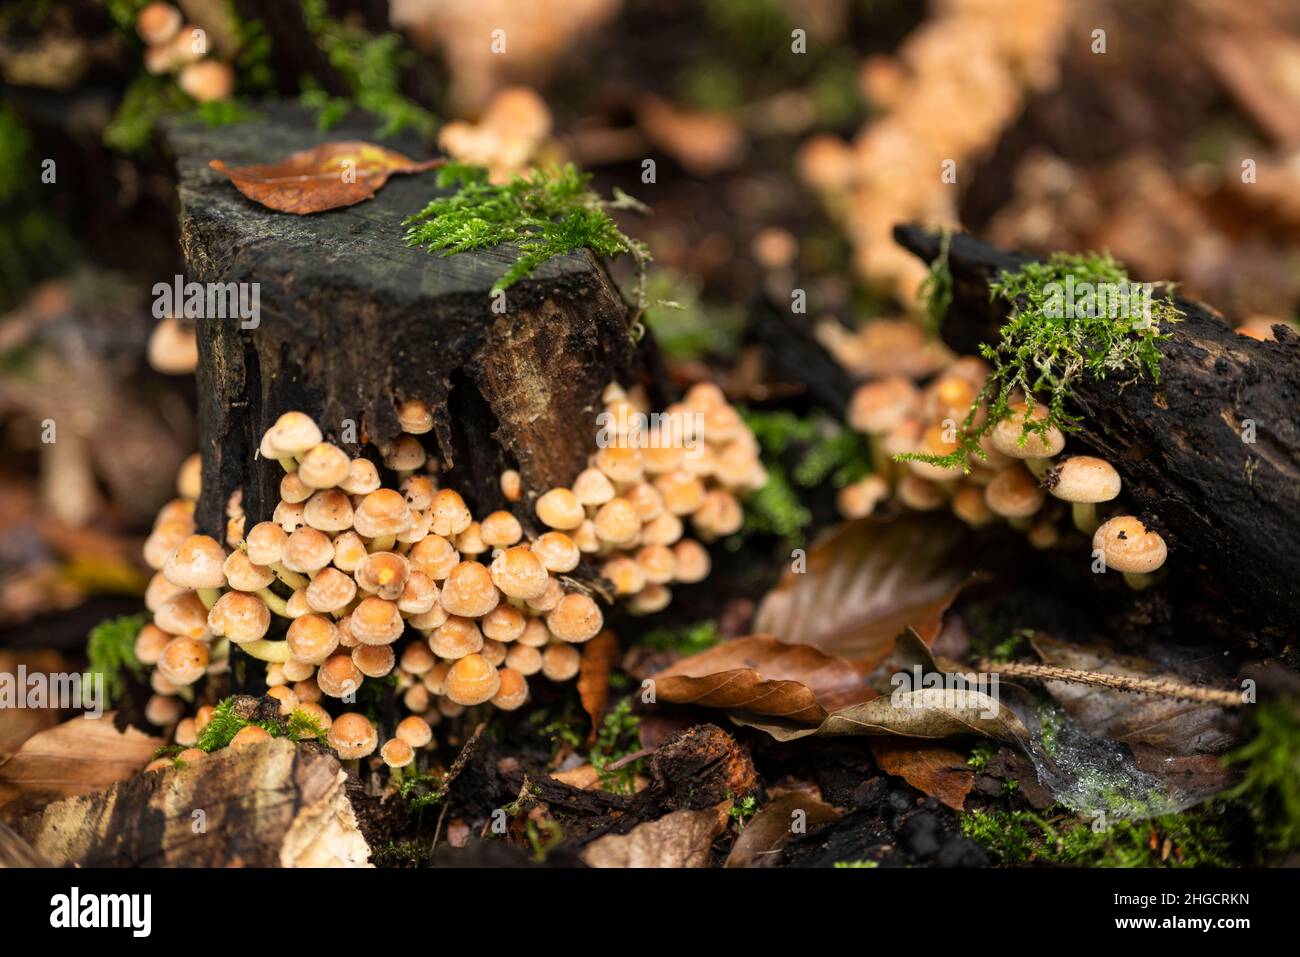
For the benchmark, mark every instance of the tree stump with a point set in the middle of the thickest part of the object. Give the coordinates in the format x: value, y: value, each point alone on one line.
x: 353, y: 322
x: 274, y: 804
x: 1229, y: 508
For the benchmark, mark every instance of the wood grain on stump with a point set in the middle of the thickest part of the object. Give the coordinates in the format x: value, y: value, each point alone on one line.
x: 269, y: 805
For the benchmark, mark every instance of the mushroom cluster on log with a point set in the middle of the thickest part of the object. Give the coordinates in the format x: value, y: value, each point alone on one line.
x: 1210, y: 454
x: 352, y: 322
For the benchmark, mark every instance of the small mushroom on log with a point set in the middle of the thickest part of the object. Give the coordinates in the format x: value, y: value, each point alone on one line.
x: 1210, y: 454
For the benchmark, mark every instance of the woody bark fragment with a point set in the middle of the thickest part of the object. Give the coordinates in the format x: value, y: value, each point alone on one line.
x: 1228, y: 507
x: 352, y: 321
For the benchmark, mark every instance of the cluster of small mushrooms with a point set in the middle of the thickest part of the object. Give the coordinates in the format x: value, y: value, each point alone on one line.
x: 1013, y: 484
x: 371, y: 581
x: 174, y: 46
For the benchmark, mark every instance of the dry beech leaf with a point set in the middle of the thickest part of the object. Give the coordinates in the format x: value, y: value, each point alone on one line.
x: 770, y: 829
x: 934, y: 769
x: 1181, y: 727
x: 325, y: 177
x: 764, y: 675
x: 867, y: 582
x: 76, y: 757
x: 680, y: 839
x: 598, y: 656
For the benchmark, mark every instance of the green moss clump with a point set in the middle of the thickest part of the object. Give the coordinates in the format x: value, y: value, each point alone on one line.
x: 1270, y: 784
x: 398, y: 854
x: 1047, y: 345
x: 550, y: 212
x: 147, y: 99
x: 775, y: 509
x: 980, y: 754
x: 825, y: 450
x: 1193, y: 839
x: 741, y: 811
x: 936, y: 289
x: 225, y: 724
x: 110, y: 651
x: 370, y: 67
x: 303, y: 726
x: 543, y: 838
x: 420, y: 790
x: 688, y: 639
x: 617, y: 737
x: 819, y: 451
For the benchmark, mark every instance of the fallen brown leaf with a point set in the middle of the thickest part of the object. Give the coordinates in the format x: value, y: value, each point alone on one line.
x: 598, y: 656
x: 867, y: 582
x: 76, y: 757
x: 584, y: 777
x: 935, y: 769
x: 679, y: 839
x: 773, y: 825
x: 325, y: 177
x: 763, y: 675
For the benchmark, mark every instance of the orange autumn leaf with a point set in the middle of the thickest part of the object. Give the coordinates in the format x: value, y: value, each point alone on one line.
x: 593, y: 675
x: 325, y: 177
x: 766, y: 676
x: 931, y: 767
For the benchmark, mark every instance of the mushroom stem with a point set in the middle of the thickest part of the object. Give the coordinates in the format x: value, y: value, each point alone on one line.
x: 275, y: 652
x: 1021, y: 524
x: 1085, y: 517
x: 383, y: 543
x: 208, y: 596
x: 274, y: 602
x: 292, y: 579
x: 220, y: 650
x: 288, y: 463
x: 1139, y: 581
x: 881, y: 463
x: 1040, y: 467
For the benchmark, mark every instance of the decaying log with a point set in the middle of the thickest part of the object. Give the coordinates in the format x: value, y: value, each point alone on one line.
x: 795, y: 355
x: 353, y: 321
x: 1229, y: 508
x: 270, y: 805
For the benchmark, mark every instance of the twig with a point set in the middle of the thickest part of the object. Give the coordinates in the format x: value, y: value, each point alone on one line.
x: 444, y: 786
x: 629, y: 758
x: 1156, y: 686
x: 522, y: 802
